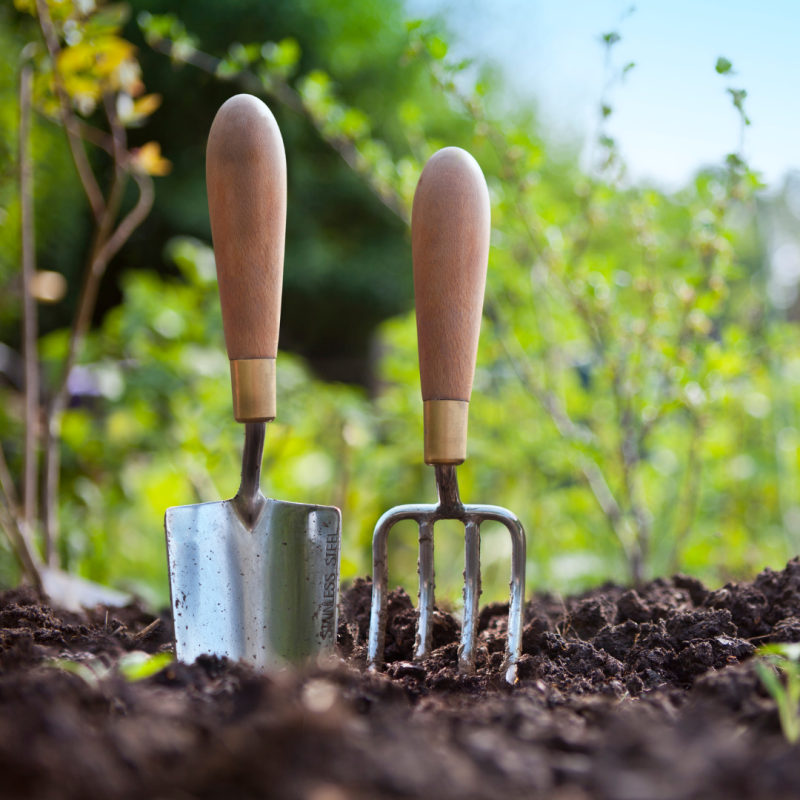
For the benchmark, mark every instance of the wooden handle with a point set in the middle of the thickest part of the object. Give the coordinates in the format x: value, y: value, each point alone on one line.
x: 246, y: 177
x: 450, y: 226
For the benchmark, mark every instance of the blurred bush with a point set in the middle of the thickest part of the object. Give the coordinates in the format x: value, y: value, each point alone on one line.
x: 635, y: 390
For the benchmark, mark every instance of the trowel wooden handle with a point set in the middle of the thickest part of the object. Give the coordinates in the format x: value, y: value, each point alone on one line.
x: 450, y: 225
x: 246, y: 177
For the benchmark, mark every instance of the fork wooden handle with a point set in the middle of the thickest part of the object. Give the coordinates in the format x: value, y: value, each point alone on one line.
x: 246, y: 178
x: 450, y: 226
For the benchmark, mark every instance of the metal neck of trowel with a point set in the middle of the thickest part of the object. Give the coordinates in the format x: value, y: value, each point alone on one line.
x: 249, y: 501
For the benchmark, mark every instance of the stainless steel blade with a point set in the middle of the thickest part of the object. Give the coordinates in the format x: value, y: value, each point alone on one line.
x: 267, y: 595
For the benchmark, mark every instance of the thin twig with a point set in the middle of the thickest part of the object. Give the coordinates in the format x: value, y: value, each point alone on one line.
x: 29, y: 317
x: 90, y: 185
x: 11, y: 498
x: 87, y: 132
x: 629, y: 458
x: 9, y: 520
x: 694, y: 468
x: 19, y: 546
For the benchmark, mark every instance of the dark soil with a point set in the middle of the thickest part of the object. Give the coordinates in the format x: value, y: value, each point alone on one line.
x: 622, y: 694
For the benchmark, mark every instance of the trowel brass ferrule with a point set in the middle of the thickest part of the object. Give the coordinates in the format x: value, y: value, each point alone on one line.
x: 253, y: 386
x: 448, y: 507
x: 445, y: 431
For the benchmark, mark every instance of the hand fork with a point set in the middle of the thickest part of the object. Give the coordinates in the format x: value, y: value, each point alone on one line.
x: 450, y: 229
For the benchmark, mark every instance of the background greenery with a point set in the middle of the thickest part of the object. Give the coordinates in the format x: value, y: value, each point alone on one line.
x: 635, y: 392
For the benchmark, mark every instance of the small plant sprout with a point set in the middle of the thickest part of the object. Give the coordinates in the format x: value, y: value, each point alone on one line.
x: 785, y: 659
x: 137, y: 666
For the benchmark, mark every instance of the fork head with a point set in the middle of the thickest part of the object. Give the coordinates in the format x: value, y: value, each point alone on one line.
x: 426, y: 515
x: 450, y: 232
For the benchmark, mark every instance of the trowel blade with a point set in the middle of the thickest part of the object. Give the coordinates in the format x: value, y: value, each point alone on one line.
x: 268, y: 595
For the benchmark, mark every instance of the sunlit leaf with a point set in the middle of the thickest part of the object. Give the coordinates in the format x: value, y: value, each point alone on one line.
x: 137, y: 666
x: 149, y: 158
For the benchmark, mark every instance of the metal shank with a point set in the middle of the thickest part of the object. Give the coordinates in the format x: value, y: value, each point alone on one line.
x: 249, y: 502
x: 426, y: 515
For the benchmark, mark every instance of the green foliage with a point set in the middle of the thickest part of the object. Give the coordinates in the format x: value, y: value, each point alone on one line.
x: 779, y: 670
x: 634, y: 394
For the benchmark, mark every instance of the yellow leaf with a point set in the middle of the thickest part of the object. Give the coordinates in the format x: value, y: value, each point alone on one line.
x: 26, y: 6
x: 77, y: 58
x: 146, y: 105
x: 100, y: 57
x: 148, y: 157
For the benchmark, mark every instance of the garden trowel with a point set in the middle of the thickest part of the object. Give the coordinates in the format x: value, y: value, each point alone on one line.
x: 252, y: 578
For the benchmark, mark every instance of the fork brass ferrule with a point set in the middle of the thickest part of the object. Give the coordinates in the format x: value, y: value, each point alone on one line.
x: 253, y: 385
x: 445, y: 431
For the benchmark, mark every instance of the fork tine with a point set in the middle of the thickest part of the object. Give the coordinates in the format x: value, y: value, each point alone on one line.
x: 516, y: 606
x: 517, y: 599
x: 380, y: 579
x: 380, y: 575
x: 472, y: 596
x: 422, y: 645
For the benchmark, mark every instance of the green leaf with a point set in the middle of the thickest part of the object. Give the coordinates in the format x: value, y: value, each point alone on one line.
x: 283, y: 57
x: 771, y: 682
x: 90, y: 672
x: 437, y: 47
x: 790, y: 651
x: 227, y: 68
x: 610, y: 39
x: 724, y: 67
x: 355, y: 124
x: 739, y: 96
x: 109, y: 20
x: 734, y: 161
x: 137, y: 666
x: 782, y: 657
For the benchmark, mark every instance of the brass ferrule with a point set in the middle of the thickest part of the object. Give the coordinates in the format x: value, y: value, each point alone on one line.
x: 253, y: 385
x: 445, y: 431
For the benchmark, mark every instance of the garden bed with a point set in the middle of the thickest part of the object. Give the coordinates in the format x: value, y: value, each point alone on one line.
x: 622, y: 695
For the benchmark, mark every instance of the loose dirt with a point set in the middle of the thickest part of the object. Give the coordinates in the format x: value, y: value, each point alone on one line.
x: 622, y: 695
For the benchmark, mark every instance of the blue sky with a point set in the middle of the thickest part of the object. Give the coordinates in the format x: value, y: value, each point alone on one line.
x: 672, y: 114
